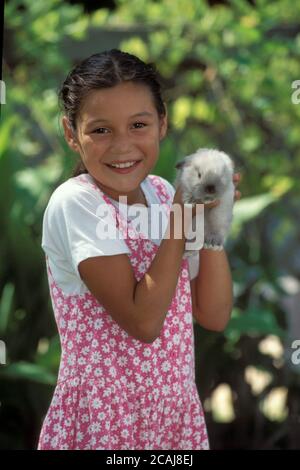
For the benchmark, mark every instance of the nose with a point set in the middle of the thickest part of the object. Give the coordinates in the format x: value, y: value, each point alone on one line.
x: 210, y: 188
x: 122, y: 143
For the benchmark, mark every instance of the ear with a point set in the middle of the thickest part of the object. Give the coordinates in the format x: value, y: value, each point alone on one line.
x: 163, y: 125
x: 69, y: 135
x: 180, y: 164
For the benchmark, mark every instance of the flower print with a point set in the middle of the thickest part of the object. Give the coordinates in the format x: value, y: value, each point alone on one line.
x: 89, y: 337
x: 96, y: 403
x: 68, y: 422
x: 79, y: 436
x: 94, y: 311
x: 176, y: 338
x: 187, y: 288
x: 87, y: 304
x: 157, y: 343
x: 148, y: 246
x: 88, y: 369
x: 56, y: 427
x: 165, y: 389
x: 62, y: 323
x: 184, y: 299
x: 166, y: 366
x: 101, y: 416
x: 136, y: 361
x: 105, y: 348
x: 122, y: 346
x: 167, y: 333
x: 78, y: 338
x: 83, y: 402
x: 54, y: 442
x: 142, y: 267
x: 98, y: 324
x: 149, y: 382
x: 115, y: 329
x: 82, y: 327
x: 97, y: 372
x: 71, y: 359
x: 85, y: 418
x: 147, y: 352
x: 138, y: 377
x: 104, y: 335
x: 96, y: 357
x: 107, y: 361
x: 146, y: 366
x: 122, y: 361
x: 70, y: 344
x: 131, y: 351
x: 112, y: 372
x: 95, y: 343
x: 187, y: 318
x: 65, y: 309
x: 112, y: 342
x: 162, y: 354
x: 85, y: 350
x: 72, y: 325
x: 125, y: 433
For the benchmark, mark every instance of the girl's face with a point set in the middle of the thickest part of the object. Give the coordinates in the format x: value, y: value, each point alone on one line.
x: 117, y: 125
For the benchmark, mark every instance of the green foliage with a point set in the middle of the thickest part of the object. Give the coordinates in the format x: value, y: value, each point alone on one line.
x: 229, y: 70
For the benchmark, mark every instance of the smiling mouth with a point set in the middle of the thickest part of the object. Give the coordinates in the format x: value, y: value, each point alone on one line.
x: 124, y: 169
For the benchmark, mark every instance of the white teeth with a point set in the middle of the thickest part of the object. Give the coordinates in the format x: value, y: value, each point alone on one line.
x: 123, y: 165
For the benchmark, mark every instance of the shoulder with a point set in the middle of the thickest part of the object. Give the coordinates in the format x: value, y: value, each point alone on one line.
x: 73, y: 195
x: 161, y: 183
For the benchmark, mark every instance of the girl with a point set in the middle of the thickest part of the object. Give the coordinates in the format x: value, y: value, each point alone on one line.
x: 124, y: 305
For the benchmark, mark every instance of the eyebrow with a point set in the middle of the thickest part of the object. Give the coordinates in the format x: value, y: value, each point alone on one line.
x: 143, y: 113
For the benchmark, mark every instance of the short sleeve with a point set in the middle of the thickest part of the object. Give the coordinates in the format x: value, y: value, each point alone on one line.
x: 78, y: 224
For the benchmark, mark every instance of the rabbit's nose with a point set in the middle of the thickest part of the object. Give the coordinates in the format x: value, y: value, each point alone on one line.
x: 210, y: 188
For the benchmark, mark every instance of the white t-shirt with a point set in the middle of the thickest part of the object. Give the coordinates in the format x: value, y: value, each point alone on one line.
x: 71, y: 227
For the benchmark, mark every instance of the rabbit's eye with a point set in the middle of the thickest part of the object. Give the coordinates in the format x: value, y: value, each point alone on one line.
x: 199, y: 174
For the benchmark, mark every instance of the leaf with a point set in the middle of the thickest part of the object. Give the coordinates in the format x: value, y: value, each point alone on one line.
x: 28, y: 371
x: 253, y: 321
x: 6, y: 306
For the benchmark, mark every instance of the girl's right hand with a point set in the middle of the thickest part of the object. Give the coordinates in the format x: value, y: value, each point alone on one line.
x: 186, y: 214
x: 178, y: 199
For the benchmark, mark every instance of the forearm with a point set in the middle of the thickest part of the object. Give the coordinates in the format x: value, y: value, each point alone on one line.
x: 154, y: 293
x: 214, y: 290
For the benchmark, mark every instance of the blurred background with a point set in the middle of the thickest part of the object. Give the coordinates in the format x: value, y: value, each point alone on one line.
x: 229, y: 69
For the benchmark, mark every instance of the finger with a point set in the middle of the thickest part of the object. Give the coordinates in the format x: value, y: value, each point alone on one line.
x: 237, y: 195
x: 237, y: 177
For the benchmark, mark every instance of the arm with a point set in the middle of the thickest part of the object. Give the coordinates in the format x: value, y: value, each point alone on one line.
x: 213, y: 285
x: 212, y: 291
x: 140, y: 307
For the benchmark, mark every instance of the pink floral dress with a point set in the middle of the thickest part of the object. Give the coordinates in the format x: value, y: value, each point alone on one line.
x: 115, y: 392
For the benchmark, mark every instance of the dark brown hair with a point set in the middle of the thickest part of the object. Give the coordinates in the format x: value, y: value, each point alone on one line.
x: 104, y: 70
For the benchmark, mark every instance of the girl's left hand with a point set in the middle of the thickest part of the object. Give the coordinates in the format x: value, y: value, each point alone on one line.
x: 237, y: 194
x: 236, y: 179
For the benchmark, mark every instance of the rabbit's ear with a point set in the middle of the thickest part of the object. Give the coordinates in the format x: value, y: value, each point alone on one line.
x: 180, y: 164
